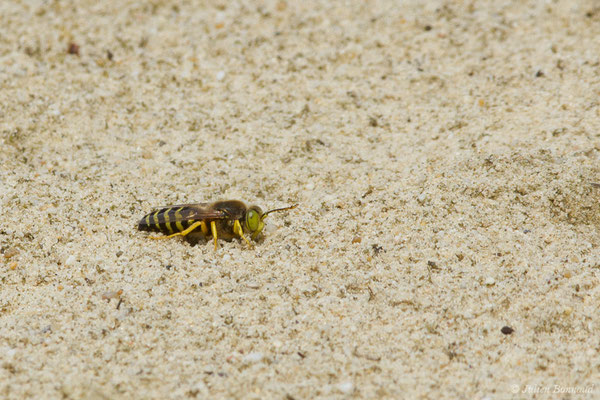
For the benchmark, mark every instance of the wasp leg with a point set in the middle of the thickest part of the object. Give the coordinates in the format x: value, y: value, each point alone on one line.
x: 213, y: 229
x: 204, y: 227
x: 183, y: 233
x: 237, y: 229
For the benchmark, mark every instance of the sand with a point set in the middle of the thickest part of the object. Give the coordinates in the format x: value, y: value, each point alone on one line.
x: 442, y: 155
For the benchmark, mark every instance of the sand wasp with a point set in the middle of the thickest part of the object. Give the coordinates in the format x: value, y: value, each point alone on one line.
x: 225, y: 219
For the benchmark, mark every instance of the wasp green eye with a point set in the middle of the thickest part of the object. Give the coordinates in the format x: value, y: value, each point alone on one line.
x: 252, y: 220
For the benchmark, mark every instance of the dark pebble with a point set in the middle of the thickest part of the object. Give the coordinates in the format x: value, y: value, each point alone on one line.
x: 507, y: 330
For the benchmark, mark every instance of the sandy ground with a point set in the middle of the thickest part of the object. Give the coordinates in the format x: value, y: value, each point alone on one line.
x: 442, y: 154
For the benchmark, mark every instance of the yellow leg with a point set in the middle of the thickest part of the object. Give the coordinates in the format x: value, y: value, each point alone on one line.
x: 204, y: 227
x: 213, y: 229
x: 237, y: 229
x: 188, y: 230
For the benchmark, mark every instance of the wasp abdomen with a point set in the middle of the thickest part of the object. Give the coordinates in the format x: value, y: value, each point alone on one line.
x: 166, y: 220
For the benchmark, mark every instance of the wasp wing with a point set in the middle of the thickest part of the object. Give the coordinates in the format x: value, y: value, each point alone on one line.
x: 193, y: 212
x: 176, y: 206
x: 180, y: 216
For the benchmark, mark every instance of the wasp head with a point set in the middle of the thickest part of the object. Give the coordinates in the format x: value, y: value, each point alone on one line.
x: 255, y: 219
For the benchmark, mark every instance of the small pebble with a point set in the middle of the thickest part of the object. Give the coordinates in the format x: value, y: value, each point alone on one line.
x: 346, y: 387
x: 220, y: 75
x: 70, y: 261
x: 73, y: 49
x: 113, y: 294
x: 281, y: 6
x: 253, y: 357
x: 489, y: 281
x: 11, y: 253
x: 507, y: 330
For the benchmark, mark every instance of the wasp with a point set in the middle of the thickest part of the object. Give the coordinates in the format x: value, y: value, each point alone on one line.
x: 226, y: 219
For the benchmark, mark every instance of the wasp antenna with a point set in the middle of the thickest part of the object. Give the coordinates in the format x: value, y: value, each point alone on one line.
x: 279, y: 209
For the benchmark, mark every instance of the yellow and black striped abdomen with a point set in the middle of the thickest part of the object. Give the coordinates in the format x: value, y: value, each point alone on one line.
x: 166, y: 220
